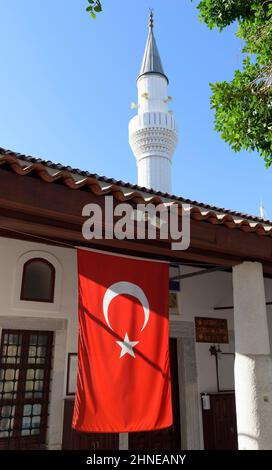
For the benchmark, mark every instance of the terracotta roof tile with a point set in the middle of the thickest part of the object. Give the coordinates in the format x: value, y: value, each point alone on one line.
x: 100, y: 185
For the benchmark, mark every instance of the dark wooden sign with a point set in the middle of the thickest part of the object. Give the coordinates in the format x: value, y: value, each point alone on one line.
x: 211, y: 330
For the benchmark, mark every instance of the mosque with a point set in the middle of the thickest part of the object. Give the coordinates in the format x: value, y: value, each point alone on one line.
x: 220, y: 296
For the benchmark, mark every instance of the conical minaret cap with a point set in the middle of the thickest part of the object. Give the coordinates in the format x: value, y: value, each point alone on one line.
x: 151, y: 61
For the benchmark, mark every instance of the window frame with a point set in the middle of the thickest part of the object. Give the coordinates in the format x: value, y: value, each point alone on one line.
x: 52, y: 281
x: 17, y: 440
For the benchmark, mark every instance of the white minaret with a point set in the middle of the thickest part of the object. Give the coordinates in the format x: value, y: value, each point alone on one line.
x: 153, y: 132
x: 262, y: 211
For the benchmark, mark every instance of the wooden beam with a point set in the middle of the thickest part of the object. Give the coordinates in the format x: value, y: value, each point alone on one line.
x: 48, y: 233
x: 231, y: 307
x: 52, y: 211
x: 200, y: 273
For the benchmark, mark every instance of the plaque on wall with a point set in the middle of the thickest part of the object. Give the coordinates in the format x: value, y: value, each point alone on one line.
x: 211, y: 330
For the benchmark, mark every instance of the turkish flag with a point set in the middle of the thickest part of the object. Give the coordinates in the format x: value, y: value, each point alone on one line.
x: 123, y: 381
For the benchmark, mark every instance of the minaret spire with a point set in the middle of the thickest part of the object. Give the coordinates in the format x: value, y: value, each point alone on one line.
x: 151, y: 62
x: 153, y: 133
x: 151, y: 18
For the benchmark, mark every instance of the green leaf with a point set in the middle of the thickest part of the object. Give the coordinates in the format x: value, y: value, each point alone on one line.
x: 98, y: 8
x: 243, y: 106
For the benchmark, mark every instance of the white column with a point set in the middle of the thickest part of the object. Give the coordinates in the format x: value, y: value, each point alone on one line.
x: 253, y: 361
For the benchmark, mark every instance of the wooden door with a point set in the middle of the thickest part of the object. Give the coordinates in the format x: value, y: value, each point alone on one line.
x: 74, y: 440
x: 169, y: 438
x: 25, y: 365
x: 219, y: 423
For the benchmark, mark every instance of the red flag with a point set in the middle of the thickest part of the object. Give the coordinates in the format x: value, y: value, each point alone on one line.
x: 123, y: 381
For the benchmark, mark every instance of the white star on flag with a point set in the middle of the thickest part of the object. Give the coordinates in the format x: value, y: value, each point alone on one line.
x: 127, y: 346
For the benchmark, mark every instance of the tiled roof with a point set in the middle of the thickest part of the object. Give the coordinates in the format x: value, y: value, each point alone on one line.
x: 122, y: 191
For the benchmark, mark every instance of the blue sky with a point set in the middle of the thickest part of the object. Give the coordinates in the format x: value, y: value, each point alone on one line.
x: 67, y: 82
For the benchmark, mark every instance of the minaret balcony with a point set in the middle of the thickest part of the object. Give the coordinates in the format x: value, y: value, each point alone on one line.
x: 153, y: 134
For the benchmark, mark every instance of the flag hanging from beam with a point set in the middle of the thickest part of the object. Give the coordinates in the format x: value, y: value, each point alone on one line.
x: 123, y: 381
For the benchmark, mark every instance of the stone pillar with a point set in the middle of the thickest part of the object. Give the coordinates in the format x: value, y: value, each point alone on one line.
x: 253, y: 361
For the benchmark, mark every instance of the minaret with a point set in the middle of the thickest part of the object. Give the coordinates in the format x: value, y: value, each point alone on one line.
x: 153, y: 132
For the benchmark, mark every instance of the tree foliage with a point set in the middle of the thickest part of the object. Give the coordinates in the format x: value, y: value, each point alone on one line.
x: 94, y: 7
x: 243, y: 106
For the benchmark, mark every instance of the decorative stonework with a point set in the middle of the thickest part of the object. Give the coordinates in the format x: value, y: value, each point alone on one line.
x: 153, y: 141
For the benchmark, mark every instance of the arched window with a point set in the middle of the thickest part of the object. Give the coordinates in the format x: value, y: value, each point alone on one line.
x: 38, y: 281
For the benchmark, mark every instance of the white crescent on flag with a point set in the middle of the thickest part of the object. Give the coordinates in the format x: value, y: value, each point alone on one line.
x: 126, y: 288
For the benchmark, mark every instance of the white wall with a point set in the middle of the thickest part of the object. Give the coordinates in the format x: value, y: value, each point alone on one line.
x: 198, y: 297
